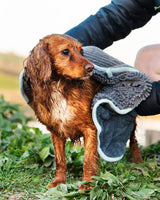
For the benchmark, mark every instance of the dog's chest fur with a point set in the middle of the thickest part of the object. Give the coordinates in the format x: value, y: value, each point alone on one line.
x: 63, y: 115
x: 60, y: 108
x: 70, y: 111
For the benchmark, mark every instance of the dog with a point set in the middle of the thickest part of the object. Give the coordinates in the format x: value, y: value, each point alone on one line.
x: 59, y: 88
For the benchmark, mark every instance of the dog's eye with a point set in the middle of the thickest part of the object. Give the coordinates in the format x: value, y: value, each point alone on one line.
x: 66, y: 52
x: 82, y: 52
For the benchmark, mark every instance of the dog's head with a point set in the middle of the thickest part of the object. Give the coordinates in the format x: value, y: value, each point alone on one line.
x: 61, y: 54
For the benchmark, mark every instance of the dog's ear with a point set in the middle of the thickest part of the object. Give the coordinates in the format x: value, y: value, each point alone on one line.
x: 45, y: 63
x: 39, y: 64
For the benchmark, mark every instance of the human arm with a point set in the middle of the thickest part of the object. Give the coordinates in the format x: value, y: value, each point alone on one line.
x: 151, y: 106
x: 113, y: 22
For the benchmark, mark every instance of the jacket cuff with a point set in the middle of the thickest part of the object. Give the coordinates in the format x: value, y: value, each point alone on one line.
x: 151, y: 106
x: 149, y: 4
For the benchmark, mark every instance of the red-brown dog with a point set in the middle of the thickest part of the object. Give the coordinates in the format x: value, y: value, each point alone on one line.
x: 59, y: 88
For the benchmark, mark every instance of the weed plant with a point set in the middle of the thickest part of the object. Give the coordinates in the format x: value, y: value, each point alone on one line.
x: 27, y: 166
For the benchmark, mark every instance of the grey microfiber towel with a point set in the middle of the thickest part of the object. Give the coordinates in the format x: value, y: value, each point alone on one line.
x: 113, y: 106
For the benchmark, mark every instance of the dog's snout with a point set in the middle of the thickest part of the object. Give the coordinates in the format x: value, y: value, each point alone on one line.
x: 88, y: 67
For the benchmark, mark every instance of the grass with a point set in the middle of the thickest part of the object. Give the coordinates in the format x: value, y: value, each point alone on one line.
x: 11, y: 58
x: 11, y: 63
x: 29, y: 180
x: 8, y: 82
x: 10, y: 66
x: 27, y: 166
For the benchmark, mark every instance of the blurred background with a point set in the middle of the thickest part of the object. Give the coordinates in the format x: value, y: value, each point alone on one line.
x: 24, y: 22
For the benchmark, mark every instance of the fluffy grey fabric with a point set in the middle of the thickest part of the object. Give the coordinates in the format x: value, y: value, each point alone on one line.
x: 124, y: 85
x: 113, y: 106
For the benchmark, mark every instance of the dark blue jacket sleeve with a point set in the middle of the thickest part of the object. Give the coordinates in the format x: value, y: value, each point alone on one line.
x: 113, y: 22
x: 151, y: 106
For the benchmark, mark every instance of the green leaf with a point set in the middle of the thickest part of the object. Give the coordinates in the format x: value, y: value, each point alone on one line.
x: 100, y: 193
x: 72, y: 187
x: 3, y: 160
x: 53, y: 192
x: 72, y: 194
x: 98, y: 178
x: 93, y: 193
x: 144, y: 170
x: 110, y: 178
x: 44, y: 153
x: 134, y: 186
x: 83, y: 198
x: 48, y: 161
x: 156, y: 7
x: 68, y: 146
x: 130, y: 197
x: 63, y: 188
x: 157, y: 179
x: 25, y: 155
x: 144, y: 193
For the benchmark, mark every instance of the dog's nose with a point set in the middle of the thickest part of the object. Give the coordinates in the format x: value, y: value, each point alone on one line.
x: 88, y: 67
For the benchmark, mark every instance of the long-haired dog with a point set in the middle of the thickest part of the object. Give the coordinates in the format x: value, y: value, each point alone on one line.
x: 57, y: 81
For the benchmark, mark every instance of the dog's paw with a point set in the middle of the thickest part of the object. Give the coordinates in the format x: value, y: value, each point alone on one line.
x: 52, y: 184
x: 138, y: 159
x: 85, y: 188
x: 55, y: 183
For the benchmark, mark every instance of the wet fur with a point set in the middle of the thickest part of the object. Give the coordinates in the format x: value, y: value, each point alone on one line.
x: 60, y: 92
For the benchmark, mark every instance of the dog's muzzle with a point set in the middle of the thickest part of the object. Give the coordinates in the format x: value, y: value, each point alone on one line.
x: 88, y: 67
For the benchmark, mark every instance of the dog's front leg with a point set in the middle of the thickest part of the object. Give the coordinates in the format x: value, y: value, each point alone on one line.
x: 60, y: 158
x: 90, y: 163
